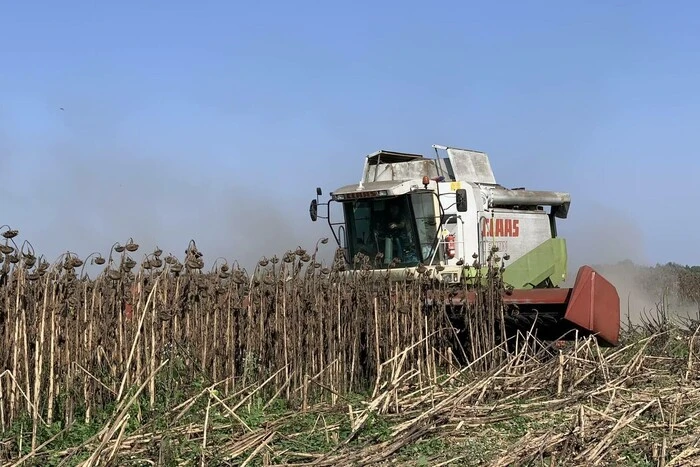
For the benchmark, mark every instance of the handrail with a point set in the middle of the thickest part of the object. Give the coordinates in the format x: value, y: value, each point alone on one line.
x: 440, y: 241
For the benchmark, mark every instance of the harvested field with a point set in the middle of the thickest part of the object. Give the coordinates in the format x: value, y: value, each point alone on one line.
x: 162, y: 361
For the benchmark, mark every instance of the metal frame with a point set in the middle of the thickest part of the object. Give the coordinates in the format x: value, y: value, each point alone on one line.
x: 328, y: 216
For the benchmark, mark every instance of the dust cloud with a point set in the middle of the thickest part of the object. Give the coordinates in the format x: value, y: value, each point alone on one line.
x: 84, y: 201
x: 613, y: 243
x: 645, y: 292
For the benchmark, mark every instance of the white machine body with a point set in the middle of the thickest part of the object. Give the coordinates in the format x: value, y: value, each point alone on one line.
x: 452, y: 209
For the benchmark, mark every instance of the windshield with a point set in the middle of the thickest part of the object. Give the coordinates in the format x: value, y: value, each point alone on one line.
x: 402, y: 229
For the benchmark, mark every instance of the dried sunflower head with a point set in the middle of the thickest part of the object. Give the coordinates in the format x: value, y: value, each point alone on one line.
x: 131, y: 247
x: 238, y: 277
x: 99, y: 261
x: 10, y: 233
x: 6, y: 249
x: 194, y: 263
x: 114, y: 274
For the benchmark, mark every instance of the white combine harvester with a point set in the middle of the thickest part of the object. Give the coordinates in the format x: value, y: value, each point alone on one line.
x: 448, y: 214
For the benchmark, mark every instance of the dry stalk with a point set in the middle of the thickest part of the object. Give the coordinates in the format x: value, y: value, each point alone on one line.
x: 309, y: 336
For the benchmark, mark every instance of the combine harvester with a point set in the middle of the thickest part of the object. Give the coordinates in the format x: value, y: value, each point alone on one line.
x: 448, y: 215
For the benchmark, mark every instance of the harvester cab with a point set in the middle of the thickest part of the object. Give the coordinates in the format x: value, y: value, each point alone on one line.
x: 449, y: 215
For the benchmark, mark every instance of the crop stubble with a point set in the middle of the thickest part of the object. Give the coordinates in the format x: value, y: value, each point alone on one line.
x: 74, y: 347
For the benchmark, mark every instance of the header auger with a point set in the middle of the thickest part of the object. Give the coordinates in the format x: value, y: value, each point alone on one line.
x: 448, y: 215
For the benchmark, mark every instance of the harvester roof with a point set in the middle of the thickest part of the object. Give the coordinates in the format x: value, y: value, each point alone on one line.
x: 388, y: 173
x: 460, y: 165
x: 391, y: 157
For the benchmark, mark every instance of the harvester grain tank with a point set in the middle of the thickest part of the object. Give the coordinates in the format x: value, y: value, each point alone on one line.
x: 449, y: 214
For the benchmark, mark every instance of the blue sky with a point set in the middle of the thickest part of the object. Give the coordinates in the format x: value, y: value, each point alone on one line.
x: 215, y: 121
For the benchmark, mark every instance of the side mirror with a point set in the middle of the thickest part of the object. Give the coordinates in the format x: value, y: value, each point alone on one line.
x: 461, y: 200
x: 313, y: 210
x: 318, y: 191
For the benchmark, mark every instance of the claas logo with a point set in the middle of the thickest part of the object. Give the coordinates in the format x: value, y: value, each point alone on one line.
x: 500, y: 227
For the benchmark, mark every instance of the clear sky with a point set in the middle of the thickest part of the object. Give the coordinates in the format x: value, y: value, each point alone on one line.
x: 215, y: 121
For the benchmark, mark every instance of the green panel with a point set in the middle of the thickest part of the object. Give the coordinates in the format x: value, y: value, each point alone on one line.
x: 547, y: 261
